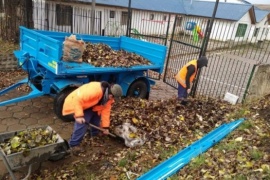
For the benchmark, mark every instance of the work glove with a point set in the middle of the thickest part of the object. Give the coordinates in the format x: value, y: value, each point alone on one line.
x: 106, y: 131
x: 80, y: 120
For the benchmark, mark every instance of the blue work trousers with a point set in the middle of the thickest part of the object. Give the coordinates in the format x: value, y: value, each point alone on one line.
x: 182, y: 92
x: 80, y: 129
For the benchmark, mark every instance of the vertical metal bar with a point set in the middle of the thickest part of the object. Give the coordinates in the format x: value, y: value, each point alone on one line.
x: 71, y: 19
x: 130, y: 22
x: 100, y: 21
x: 129, y: 19
x: 208, y: 32
x: 169, y: 53
x: 93, y: 17
x: 194, y: 87
x: 47, y: 15
x: 249, y: 82
x: 168, y: 29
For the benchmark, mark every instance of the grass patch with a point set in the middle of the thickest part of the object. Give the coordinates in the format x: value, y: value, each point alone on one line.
x: 123, y: 162
x: 167, y: 153
x: 239, y: 113
x: 229, y: 146
x: 245, y: 125
x: 132, y: 156
x: 256, y: 154
x: 198, y: 161
x: 240, y: 177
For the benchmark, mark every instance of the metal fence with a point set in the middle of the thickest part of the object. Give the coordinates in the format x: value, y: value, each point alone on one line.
x: 233, y: 54
x: 233, y: 49
x: 78, y: 18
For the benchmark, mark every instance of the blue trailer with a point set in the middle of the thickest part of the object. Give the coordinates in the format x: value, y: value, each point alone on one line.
x: 40, y: 55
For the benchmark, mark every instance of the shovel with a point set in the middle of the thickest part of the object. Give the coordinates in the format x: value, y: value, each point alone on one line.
x: 99, y: 128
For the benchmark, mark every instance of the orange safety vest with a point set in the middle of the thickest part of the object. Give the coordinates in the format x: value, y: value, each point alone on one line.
x: 84, y: 97
x: 181, y: 75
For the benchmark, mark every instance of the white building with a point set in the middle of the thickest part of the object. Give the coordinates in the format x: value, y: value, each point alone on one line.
x: 244, y: 22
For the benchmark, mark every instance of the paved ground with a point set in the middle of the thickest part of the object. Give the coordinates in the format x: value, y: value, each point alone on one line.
x: 39, y: 112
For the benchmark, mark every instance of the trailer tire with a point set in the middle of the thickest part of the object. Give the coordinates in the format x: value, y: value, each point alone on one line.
x: 138, y: 89
x: 59, y: 102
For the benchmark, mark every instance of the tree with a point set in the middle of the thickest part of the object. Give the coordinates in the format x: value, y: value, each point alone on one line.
x: 16, y: 13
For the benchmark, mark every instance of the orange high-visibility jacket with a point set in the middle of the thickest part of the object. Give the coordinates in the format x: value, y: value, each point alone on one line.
x: 86, y: 96
x: 181, y: 75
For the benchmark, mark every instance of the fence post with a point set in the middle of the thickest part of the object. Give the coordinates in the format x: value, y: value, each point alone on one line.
x: 167, y: 31
x: 169, y: 53
x: 129, y: 19
x: 93, y: 17
x: 204, y: 47
x: 249, y: 82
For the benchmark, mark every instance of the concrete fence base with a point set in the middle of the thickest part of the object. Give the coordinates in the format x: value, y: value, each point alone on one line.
x: 260, y: 84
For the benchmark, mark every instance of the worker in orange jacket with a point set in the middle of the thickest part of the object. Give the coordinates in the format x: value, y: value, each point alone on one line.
x: 90, y: 103
x: 186, y: 76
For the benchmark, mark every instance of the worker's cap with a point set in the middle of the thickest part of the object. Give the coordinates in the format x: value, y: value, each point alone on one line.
x: 116, y: 90
x: 202, y: 61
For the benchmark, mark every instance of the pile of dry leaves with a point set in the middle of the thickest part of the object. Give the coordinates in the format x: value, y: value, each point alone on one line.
x: 102, y: 55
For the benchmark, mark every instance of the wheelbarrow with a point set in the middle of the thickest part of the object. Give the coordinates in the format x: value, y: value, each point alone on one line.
x: 53, y: 152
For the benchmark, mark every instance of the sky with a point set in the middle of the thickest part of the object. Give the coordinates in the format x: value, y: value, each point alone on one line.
x: 251, y: 1
x: 259, y: 1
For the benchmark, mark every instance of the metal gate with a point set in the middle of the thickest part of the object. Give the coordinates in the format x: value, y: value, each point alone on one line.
x: 183, y: 47
x: 234, y: 50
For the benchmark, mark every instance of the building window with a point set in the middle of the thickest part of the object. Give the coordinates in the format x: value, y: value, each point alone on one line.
x: 164, y: 18
x: 124, y: 18
x: 151, y: 16
x: 256, y: 32
x: 63, y: 15
x: 112, y: 14
x: 241, y: 30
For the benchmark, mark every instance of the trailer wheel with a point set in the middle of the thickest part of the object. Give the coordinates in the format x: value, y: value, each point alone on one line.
x: 138, y: 89
x: 59, y: 102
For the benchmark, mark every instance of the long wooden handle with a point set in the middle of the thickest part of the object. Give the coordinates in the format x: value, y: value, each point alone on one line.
x: 99, y: 128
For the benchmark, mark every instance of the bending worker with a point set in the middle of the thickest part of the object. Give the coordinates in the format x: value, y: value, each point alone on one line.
x: 186, y: 75
x: 90, y: 103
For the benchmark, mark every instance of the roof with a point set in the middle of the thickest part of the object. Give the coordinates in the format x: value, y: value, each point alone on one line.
x: 205, y: 9
x: 260, y: 14
x: 171, y: 6
x: 188, y: 7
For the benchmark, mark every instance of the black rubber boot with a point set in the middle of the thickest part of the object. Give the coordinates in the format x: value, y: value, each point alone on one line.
x: 184, y: 103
